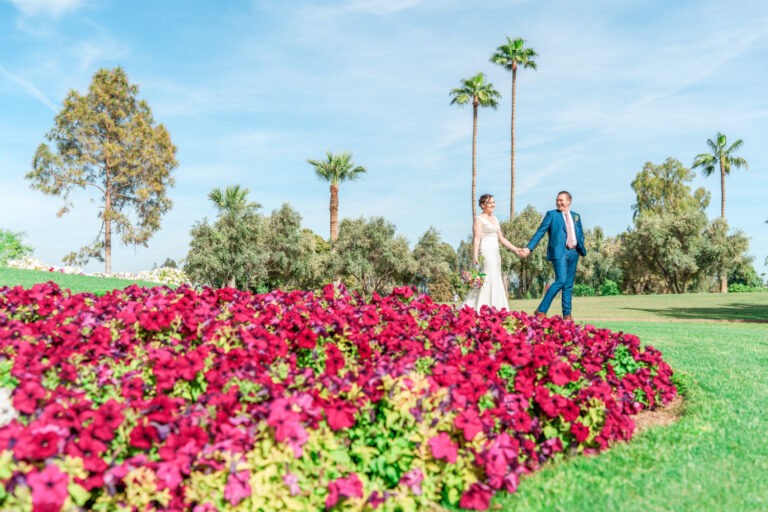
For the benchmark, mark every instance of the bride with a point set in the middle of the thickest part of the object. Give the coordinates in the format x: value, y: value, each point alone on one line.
x: 486, y: 236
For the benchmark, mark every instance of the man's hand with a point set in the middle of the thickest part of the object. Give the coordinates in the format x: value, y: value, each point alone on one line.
x: 525, y: 252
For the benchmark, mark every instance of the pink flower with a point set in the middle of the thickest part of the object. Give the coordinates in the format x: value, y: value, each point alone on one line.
x: 470, y: 423
x: 350, y: 487
x: 49, y: 488
x: 443, y: 447
x: 292, y: 481
x: 238, y: 487
x: 412, y: 479
x: 477, y: 497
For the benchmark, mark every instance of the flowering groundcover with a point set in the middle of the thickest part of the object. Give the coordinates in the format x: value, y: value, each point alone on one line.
x: 210, y: 400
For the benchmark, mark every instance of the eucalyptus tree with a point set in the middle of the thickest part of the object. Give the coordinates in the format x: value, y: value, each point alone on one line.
x: 106, y: 141
x: 336, y: 169
x: 479, y: 93
x: 723, y: 159
x: 510, y: 56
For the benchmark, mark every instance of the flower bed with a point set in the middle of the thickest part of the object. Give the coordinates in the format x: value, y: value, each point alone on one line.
x: 177, y: 399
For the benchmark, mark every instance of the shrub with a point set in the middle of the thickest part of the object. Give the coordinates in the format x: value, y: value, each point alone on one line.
x: 12, y: 247
x: 583, y: 290
x: 609, y: 288
x: 741, y: 288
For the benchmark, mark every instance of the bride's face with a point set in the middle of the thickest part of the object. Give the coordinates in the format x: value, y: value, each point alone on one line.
x: 489, y: 206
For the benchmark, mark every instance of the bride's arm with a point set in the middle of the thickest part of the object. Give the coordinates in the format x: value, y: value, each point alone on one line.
x: 506, y: 243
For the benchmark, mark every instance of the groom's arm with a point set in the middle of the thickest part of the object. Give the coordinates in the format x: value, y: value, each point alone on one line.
x: 543, y: 228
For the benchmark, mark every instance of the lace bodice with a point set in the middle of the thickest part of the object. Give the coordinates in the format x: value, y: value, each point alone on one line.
x: 490, y: 229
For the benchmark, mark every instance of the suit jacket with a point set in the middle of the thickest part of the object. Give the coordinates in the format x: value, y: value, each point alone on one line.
x: 554, y: 224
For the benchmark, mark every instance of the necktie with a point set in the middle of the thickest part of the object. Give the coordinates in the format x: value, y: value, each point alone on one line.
x: 571, y: 232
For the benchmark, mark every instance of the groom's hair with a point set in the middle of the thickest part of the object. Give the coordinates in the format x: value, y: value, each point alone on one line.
x: 566, y: 193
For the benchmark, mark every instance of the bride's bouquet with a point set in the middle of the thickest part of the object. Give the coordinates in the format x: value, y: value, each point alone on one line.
x: 473, y: 278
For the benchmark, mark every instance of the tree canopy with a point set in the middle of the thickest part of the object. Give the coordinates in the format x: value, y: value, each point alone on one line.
x: 107, y: 141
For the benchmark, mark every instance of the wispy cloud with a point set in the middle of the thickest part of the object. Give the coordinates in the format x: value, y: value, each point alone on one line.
x: 28, y: 87
x: 46, y: 7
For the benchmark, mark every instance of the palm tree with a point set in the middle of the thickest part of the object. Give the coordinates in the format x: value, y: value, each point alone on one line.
x: 336, y: 169
x: 480, y: 94
x: 512, y: 55
x: 232, y: 201
x: 721, y: 157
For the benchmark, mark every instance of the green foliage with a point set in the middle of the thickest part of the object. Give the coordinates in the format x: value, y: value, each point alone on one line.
x: 229, y: 252
x: 583, y: 290
x: 664, y: 188
x: 371, y: 255
x: 720, y: 161
x: 246, y: 250
x: 742, y: 288
x: 107, y: 141
x: 609, y: 288
x: 12, y: 247
x: 434, y: 261
x: 602, y: 260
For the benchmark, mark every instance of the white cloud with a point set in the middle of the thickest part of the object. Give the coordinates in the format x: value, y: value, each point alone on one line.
x: 46, y: 7
x: 28, y: 87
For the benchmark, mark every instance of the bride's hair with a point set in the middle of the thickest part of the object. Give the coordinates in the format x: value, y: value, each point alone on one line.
x: 484, y: 199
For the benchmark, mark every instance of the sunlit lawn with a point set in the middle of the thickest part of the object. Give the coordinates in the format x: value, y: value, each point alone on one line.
x: 715, y: 457
x: 76, y: 283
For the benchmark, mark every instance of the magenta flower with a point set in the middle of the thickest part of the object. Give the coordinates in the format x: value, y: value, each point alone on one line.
x: 350, y: 487
x: 238, y: 487
x: 49, y: 488
x: 443, y: 447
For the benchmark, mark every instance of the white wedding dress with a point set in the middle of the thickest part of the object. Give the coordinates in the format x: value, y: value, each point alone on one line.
x: 493, y: 292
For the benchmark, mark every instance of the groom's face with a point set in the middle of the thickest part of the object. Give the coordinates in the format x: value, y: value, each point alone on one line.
x: 563, y: 202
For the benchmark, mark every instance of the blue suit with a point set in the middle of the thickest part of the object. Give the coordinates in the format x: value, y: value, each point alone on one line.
x: 564, y: 260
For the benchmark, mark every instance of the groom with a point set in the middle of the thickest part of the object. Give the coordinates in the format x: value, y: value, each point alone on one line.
x: 566, y: 243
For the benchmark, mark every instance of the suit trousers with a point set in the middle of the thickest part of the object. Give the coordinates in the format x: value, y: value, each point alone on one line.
x: 565, y: 274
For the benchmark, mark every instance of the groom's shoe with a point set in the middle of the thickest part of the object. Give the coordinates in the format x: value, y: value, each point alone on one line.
x: 568, y: 317
x: 539, y: 314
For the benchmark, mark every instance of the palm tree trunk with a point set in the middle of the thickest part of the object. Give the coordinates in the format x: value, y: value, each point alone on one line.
x: 334, y: 212
x: 512, y: 151
x: 474, y: 158
x: 723, y: 277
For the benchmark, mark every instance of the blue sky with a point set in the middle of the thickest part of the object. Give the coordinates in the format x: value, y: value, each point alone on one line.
x: 249, y: 90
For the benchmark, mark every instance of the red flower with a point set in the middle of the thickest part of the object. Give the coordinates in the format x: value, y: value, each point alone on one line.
x: 107, y: 419
x: 49, y: 488
x: 340, y: 414
x: 561, y: 373
x: 443, y: 447
x: 26, y: 396
x: 470, y: 423
x: 143, y: 437
x: 37, y: 444
x: 161, y: 409
x: 477, y: 497
x: 350, y: 487
x: 579, y: 431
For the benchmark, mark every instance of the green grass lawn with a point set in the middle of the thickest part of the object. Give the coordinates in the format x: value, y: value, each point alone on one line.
x: 76, y: 283
x: 714, y: 458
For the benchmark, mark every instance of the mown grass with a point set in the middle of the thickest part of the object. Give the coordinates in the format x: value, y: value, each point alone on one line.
x: 714, y: 458
x: 747, y: 307
x: 76, y: 283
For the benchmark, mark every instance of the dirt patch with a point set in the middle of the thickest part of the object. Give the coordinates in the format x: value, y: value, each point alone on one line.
x: 660, y: 417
